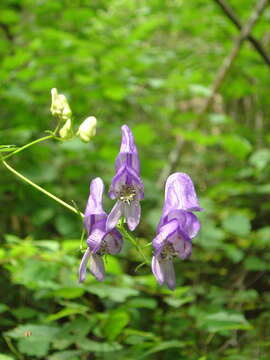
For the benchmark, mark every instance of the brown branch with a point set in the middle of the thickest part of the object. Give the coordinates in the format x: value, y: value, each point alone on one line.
x: 244, y: 34
x: 229, y: 60
x: 233, y: 17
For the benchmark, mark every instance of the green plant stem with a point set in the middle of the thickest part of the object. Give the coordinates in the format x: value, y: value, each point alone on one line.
x: 28, y: 145
x: 39, y: 188
x: 12, y: 348
x: 134, y: 242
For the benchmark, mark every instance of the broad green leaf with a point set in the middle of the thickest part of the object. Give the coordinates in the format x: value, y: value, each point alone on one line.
x: 69, y: 292
x: 115, y: 324
x: 236, y: 145
x: 115, y: 293
x: 237, y: 224
x: 6, y: 357
x: 222, y: 321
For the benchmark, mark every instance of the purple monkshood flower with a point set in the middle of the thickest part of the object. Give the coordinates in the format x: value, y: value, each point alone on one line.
x: 126, y: 186
x: 177, y: 226
x: 99, y: 241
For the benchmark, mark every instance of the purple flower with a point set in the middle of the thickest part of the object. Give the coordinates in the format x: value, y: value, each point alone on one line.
x: 99, y: 241
x: 177, y: 226
x: 126, y: 186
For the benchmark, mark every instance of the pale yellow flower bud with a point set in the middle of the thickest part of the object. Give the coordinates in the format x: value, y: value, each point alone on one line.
x: 87, y: 129
x: 66, y: 131
x: 60, y: 106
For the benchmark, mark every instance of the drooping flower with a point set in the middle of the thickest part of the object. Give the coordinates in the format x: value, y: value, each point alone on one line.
x: 126, y: 186
x: 99, y: 241
x: 177, y: 226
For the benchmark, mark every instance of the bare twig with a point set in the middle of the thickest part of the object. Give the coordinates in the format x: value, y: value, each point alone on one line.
x: 223, y: 71
x: 234, y: 18
x: 172, y: 161
x: 228, y: 62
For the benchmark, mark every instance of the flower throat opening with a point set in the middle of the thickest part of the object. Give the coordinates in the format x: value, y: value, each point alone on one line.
x: 127, y: 194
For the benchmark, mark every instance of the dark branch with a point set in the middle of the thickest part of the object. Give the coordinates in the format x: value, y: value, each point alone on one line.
x: 233, y: 17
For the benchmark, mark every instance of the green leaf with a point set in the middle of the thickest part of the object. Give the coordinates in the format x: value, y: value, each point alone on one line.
x: 237, y: 224
x: 236, y: 145
x: 65, y: 312
x: 165, y: 345
x: 222, y: 321
x: 69, y: 292
x: 115, y: 293
x: 66, y: 355
x: 115, y: 324
x: 38, y: 343
x: 6, y: 357
x: 3, y: 308
x: 94, y: 346
x: 254, y: 263
x: 260, y: 158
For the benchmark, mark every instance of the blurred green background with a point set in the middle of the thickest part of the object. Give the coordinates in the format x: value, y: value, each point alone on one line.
x: 149, y: 64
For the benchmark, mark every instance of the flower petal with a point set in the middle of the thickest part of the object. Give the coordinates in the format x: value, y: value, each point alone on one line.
x: 164, y: 271
x: 94, y: 210
x: 95, y: 238
x: 114, y: 241
x: 181, y: 243
x: 169, y: 274
x: 97, y: 267
x: 114, y: 216
x: 132, y: 214
x: 180, y: 193
x: 164, y: 232
x: 126, y: 176
x: 128, y: 152
x: 187, y: 221
x: 157, y: 270
x: 83, y: 264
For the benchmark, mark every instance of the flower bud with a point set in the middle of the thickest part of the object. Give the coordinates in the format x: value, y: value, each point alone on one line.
x: 66, y: 131
x: 87, y: 129
x: 60, y: 106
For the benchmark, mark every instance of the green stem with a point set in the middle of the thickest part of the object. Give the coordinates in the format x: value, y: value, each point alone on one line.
x: 12, y: 348
x: 129, y: 237
x: 39, y: 188
x: 28, y: 145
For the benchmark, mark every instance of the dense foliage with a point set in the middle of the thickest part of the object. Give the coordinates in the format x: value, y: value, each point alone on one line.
x: 149, y: 64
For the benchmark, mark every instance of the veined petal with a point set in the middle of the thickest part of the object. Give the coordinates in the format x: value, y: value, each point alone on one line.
x: 114, y: 241
x: 164, y: 232
x: 169, y: 274
x: 97, y: 267
x: 83, y: 264
x: 128, y: 152
x: 95, y: 238
x: 157, y: 270
x: 126, y: 176
x: 164, y: 271
x: 181, y: 244
x: 114, y: 216
x: 187, y: 221
x: 180, y: 193
x: 94, y: 210
x: 132, y: 213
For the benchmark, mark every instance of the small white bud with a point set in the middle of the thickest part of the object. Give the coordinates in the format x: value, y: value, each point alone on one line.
x: 87, y: 129
x: 60, y: 106
x: 66, y: 131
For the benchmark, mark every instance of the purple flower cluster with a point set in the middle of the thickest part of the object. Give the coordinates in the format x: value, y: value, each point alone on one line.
x: 177, y: 226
